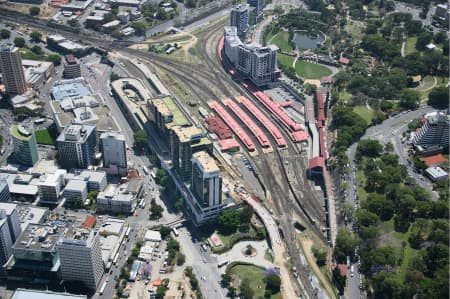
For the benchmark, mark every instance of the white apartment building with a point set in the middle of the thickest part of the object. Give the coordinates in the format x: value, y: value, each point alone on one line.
x: 80, y: 256
x: 50, y: 186
x: 114, y: 151
x: 75, y: 189
x: 434, y: 131
x: 9, y: 212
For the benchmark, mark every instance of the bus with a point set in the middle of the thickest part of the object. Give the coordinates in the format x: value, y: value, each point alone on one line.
x: 115, y: 259
x: 175, y: 231
x: 19, y: 33
x: 203, y: 246
x: 127, y: 234
x: 102, y: 289
x: 153, y: 174
x: 39, y: 121
x: 145, y: 169
x: 223, y: 263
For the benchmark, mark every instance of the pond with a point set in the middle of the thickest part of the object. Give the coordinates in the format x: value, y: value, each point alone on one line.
x: 303, y: 40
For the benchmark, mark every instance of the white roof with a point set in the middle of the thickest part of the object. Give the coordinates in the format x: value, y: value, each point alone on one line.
x: 436, y: 172
x: 152, y: 235
x: 38, y: 294
x: 76, y: 185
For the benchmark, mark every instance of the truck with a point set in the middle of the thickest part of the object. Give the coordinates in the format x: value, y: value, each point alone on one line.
x: 175, y: 231
x: 102, y: 289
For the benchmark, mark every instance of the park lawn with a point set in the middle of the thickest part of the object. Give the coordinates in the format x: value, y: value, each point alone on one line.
x: 309, y: 70
x: 389, y: 237
x: 281, y: 40
x: 285, y: 60
x: 44, y: 137
x: 362, y: 194
x: 356, y: 30
x: 364, y: 112
x: 344, y: 96
x: 268, y: 36
x: 410, y: 46
x: 255, y: 275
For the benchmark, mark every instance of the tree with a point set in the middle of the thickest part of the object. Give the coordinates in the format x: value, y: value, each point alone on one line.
x: 36, y: 50
x: 55, y: 59
x: 73, y: 23
x: 339, y: 280
x: 34, y: 11
x: 369, y: 148
x: 438, y: 97
x: 246, y: 215
x: 19, y: 42
x: 140, y: 139
x: 366, y: 218
x: 5, y: 33
x: 246, y: 290
x: 423, y: 40
x: 387, y: 286
x: 165, y: 231
x: 35, y: 36
x: 409, y: 99
x: 273, y: 283
x: 228, y: 222
x: 160, y: 292
x: 226, y: 279
x: 92, y: 195
x: 139, y: 27
x: 320, y: 255
x: 181, y: 258
x: 345, y: 245
x: 155, y: 210
x: 113, y: 77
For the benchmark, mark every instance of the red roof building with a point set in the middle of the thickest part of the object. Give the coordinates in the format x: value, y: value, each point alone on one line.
x: 89, y: 222
x: 344, y: 61
x: 434, y: 160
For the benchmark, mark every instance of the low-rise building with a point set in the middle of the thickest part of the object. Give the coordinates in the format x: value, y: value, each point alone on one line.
x: 111, y: 26
x: 120, y: 199
x: 50, y: 186
x: 96, y: 180
x: 60, y: 44
x: 436, y: 174
x: 37, y: 72
x: 75, y: 189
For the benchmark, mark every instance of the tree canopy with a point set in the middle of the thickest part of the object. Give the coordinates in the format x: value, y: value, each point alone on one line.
x: 439, y: 97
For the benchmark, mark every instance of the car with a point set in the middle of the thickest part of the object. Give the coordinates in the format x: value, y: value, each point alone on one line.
x: 146, y: 282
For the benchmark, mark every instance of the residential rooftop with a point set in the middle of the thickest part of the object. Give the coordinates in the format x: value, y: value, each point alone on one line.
x: 207, y: 162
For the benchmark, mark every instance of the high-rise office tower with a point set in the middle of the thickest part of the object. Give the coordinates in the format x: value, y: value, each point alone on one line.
x: 24, y: 142
x: 259, y: 5
x: 8, y: 211
x: 206, y: 180
x: 76, y: 146
x: 114, y: 150
x: 72, y: 68
x: 5, y: 245
x: 81, y: 257
x: 239, y: 19
x: 11, y: 69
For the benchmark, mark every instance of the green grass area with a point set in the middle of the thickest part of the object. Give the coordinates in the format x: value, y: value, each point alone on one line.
x: 285, y: 60
x: 356, y: 30
x: 362, y: 194
x: 27, y: 54
x: 268, y: 36
x: 281, y: 40
x: 44, y: 137
x: 344, y: 96
x: 410, y: 46
x: 364, y: 112
x: 255, y: 275
x: 310, y: 70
